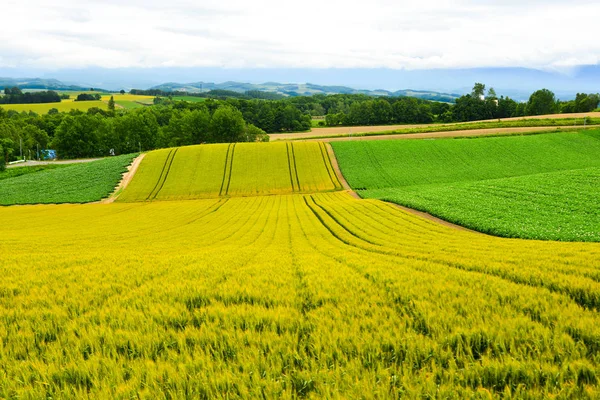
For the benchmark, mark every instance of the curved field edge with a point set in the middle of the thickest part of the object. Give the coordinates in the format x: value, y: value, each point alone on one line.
x: 560, y: 206
x: 532, y: 187
x: 76, y: 183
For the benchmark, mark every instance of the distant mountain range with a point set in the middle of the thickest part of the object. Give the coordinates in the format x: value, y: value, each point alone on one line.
x: 286, y: 89
x: 294, y: 89
x: 39, y: 84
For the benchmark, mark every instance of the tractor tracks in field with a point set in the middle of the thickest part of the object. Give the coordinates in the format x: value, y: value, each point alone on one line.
x: 163, y: 175
x: 226, y: 181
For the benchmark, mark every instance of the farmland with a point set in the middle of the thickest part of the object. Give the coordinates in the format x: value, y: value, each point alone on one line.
x: 226, y: 170
x: 283, y: 286
x: 127, y: 101
x: 284, y: 296
x: 536, y: 187
x: 77, y: 183
x: 63, y: 106
x: 19, y: 171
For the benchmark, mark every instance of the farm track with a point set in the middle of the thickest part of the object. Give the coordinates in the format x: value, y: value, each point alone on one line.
x: 353, y: 130
x: 451, y: 134
x: 127, y: 177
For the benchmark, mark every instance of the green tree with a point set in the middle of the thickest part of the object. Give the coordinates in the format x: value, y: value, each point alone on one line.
x: 77, y: 136
x: 6, y: 145
x: 542, y: 102
x: 122, y: 91
x: 478, y: 90
x: 254, y: 134
x: 197, y: 123
x: 227, y: 125
x: 2, y: 160
x: 111, y: 104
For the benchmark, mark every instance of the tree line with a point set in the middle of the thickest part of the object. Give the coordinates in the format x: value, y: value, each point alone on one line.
x: 97, y: 132
x: 479, y: 106
x: 16, y: 96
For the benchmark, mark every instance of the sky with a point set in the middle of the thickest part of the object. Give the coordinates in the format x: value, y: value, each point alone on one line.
x: 412, y: 35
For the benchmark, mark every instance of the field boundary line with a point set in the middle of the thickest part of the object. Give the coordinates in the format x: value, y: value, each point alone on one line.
x: 166, y: 173
x: 225, y: 169
x: 125, y: 180
x: 161, y: 174
x: 230, y: 169
x: 335, y: 168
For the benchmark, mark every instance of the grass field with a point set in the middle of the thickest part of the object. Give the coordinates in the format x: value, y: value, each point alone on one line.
x: 127, y: 101
x: 19, y: 171
x: 128, y: 105
x: 76, y: 183
x: 539, y: 187
x: 225, y: 170
x: 191, y: 99
x: 318, y: 296
x: 566, y: 121
x: 63, y: 106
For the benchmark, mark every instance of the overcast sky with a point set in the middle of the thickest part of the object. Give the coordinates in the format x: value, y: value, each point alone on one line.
x: 399, y: 34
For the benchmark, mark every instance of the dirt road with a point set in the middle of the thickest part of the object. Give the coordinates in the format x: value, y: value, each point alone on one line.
x: 448, y: 134
x: 32, y: 163
x: 350, y: 130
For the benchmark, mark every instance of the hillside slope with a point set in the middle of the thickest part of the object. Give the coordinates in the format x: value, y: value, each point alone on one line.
x: 537, y: 187
x: 225, y: 170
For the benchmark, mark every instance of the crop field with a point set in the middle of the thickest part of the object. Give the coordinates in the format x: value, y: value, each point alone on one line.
x: 128, y: 105
x: 191, y: 99
x: 225, y: 170
x: 19, y: 171
x: 537, y: 187
x: 127, y: 101
x: 288, y: 296
x: 76, y: 183
x: 261, y: 279
x: 63, y: 106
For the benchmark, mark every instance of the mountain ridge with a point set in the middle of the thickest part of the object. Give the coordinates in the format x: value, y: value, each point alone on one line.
x: 300, y: 89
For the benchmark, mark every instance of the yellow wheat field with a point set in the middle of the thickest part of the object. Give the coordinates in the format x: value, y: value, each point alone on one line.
x: 286, y: 296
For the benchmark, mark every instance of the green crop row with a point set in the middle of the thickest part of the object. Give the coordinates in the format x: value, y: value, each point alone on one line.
x: 538, y: 187
x: 76, y: 183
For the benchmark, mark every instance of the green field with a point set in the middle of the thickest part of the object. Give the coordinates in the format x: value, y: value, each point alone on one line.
x: 76, y: 183
x: 191, y: 99
x: 19, y: 171
x: 225, y: 170
x: 280, y: 287
x: 537, y: 187
x: 63, y: 106
x: 128, y: 104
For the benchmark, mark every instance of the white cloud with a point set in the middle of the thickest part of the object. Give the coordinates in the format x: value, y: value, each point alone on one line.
x: 266, y: 33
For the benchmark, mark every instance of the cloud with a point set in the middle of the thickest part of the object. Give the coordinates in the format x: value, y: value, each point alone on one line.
x: 549, y: 34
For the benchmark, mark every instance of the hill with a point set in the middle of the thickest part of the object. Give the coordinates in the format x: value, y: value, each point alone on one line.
x: 38, y: 83
x: 536, y: 187
x: 293, y: 89
x: 226, y: 170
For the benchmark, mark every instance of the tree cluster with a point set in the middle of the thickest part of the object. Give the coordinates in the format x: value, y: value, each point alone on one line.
x: 16, y: 96
x: 476, y: 106
x: 98, y: 132
x: 88, y: 97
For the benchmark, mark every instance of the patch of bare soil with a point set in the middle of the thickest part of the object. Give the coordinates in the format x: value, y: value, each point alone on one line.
x: 127, y: 177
